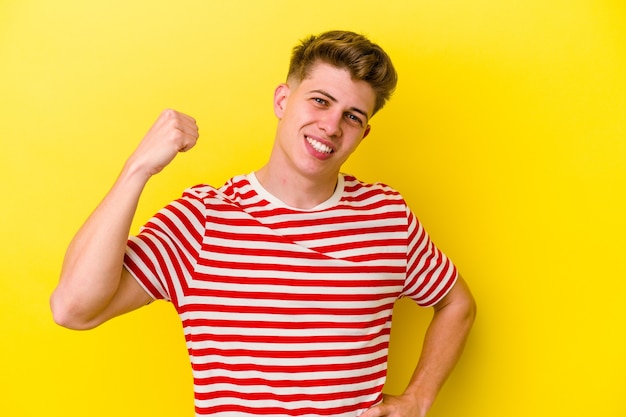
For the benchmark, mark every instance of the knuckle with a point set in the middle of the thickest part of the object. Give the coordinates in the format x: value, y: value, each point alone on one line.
x: 168, y: 113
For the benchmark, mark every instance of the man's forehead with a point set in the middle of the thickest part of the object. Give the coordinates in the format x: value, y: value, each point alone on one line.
x: 337, y: 82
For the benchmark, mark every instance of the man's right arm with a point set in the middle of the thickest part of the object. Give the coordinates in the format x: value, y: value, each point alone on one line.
x: 94, y: 285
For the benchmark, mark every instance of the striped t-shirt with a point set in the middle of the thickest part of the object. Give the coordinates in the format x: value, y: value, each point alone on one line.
x: 287, y: 312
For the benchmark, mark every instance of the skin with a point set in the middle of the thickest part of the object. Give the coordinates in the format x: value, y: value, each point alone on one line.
x: 94, y: 286
x: 329, y: 109
x: 443, y: 344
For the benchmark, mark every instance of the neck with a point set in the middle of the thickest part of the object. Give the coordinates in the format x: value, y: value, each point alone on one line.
x: 298, y: 192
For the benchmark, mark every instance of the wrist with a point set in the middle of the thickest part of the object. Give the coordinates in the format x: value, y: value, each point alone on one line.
x: 421, y: 398
x: 134, y: 172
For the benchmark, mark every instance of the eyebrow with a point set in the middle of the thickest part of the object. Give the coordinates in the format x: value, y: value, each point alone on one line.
x: 334, y: 100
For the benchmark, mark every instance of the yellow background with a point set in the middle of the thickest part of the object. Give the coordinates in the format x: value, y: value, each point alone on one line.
x: 506, y: 135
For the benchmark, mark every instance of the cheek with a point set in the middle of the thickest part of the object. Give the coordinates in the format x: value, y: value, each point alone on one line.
x: 352, y: 144
x: 356, y: 136
x: 296, y: 115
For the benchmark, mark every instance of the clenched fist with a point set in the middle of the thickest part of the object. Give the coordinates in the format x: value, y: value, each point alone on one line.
x: 171, y: 133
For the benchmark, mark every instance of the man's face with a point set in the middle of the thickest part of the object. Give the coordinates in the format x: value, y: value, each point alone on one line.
x: 322, y: 120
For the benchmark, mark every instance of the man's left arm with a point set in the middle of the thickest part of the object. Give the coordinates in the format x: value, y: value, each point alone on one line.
x: 443, y: 344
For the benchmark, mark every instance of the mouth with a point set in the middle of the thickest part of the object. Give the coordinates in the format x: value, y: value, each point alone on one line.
x: 319, y: 146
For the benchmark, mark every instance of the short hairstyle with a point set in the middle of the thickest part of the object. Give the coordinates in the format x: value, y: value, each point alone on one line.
x: 365, y: 61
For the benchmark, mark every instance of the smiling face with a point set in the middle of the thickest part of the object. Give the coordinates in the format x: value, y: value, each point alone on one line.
x: 322, y: 120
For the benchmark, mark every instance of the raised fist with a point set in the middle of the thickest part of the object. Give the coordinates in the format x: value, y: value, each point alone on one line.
x: 171, y: 133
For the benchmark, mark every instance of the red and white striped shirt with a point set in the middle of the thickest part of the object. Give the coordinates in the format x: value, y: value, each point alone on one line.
x: 287, y: 312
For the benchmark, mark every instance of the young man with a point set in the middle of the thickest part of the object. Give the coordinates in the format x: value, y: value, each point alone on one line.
x: 285, y: 278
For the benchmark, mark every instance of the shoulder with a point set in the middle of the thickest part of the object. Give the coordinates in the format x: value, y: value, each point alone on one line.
x: 356, y: 190
x: 230, y: 188
x: 236, y: 192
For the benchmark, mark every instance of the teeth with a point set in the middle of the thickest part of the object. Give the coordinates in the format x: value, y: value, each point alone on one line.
x: 318, y: 146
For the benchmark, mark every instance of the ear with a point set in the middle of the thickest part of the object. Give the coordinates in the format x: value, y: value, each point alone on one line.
x: 366, y: 132
x: 280, y: 100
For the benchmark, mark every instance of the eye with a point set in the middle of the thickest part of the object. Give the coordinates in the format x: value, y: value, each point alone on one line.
x: 354, y: 119
x: 320, y: 101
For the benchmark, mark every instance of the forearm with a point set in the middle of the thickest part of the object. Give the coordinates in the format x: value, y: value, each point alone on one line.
x: 93, y: 262
x: 443, y: 345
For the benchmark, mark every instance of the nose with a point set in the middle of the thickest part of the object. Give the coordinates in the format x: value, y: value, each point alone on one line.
x: 330, y: 123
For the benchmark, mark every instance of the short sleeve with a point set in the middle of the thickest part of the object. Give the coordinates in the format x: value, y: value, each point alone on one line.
x: 162, y: 257
x: 430, y: 274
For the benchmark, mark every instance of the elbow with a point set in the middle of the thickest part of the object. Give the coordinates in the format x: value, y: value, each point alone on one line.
x: 65, y: 316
